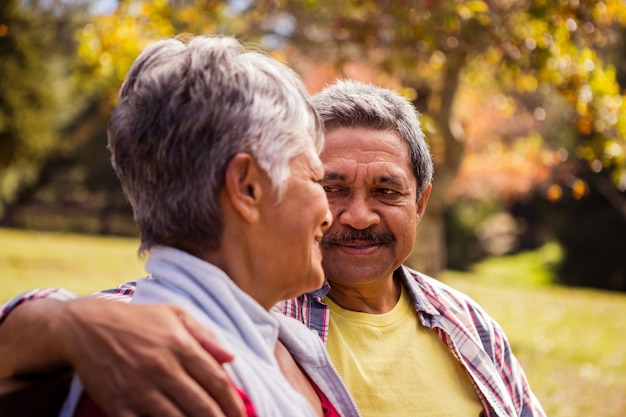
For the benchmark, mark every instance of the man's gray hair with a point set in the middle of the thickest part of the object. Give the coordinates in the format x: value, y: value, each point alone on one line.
x: 354, y: 104
x: 185, y: 109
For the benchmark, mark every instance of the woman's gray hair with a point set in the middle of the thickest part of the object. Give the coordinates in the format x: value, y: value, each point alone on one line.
x: 185, y: 109
x: 354, y: 104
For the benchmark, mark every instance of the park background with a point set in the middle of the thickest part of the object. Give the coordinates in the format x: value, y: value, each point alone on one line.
x: 523, y: 104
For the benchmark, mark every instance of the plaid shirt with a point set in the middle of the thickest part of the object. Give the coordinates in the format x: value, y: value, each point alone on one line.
x: 473, y: 337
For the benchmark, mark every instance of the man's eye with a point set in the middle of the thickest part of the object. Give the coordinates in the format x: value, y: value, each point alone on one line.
x: 330, y: 188
x: 387, y: 191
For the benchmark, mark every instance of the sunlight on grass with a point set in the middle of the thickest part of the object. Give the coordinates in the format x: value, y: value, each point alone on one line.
x: 570, y: 341
x: 82, y: 264
x: 533, y: 267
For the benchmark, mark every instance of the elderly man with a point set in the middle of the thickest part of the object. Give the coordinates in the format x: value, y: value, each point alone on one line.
x: 405, y: 343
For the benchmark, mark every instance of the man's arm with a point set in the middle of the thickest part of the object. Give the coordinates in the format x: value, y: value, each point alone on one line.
x: 27, y: 342
x: 132, y: 359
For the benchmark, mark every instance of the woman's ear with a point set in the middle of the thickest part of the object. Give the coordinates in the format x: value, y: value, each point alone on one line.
x: 243, y: 186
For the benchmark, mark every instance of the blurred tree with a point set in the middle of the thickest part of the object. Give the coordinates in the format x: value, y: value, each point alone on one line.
x: 542, y: 67
x: 109, y: 43
x: 587, y: 212
x: 27, y: 98
x: 37, y: 102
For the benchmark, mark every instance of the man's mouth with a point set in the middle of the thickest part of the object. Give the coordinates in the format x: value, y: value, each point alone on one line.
x: 359, y: 244
x: 357, y: 239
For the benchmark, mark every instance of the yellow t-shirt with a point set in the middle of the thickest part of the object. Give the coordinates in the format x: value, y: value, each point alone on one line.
x: 394, y: 366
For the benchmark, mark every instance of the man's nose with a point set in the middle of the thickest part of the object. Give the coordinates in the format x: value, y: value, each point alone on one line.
x: 358, y: 212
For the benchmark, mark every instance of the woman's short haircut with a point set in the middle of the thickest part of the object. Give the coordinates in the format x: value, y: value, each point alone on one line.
x: 185, y: 109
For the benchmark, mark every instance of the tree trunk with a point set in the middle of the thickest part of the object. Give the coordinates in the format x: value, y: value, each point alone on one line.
x: 429, y: 254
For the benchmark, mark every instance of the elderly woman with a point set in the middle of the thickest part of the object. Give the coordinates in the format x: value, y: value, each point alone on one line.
x: 216, y: 149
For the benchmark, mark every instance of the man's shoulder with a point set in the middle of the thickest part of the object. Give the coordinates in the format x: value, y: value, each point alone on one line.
x: 435, y: 296
x: 431, y: 286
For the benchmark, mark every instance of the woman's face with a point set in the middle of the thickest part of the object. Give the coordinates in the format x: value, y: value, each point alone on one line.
x: 295, y: 226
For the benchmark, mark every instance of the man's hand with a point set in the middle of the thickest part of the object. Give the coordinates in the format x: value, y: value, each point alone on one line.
x: 134, y: 360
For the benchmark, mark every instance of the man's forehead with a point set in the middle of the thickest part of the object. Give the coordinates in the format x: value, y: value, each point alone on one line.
x: 346, y: 169
x: 363, y: 153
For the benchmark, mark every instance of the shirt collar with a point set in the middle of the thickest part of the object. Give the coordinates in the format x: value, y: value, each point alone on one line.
x: 419, y: 290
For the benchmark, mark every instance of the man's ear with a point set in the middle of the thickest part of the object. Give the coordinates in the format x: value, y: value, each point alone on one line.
x: 423, y: 201
x: 243, y: 186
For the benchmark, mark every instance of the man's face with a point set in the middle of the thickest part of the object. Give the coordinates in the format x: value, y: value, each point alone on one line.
x: 296, y: 226
x: 372, y: 193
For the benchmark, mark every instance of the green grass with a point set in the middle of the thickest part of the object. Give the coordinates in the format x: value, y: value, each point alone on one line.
x: 80, y: 263
x: 529, y: 268
x: 571, y: 342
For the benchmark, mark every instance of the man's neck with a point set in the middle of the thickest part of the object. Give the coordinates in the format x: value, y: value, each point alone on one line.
x: 374, y: 298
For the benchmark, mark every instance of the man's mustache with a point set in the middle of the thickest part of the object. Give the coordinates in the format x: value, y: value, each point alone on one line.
x: 354, y: 235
